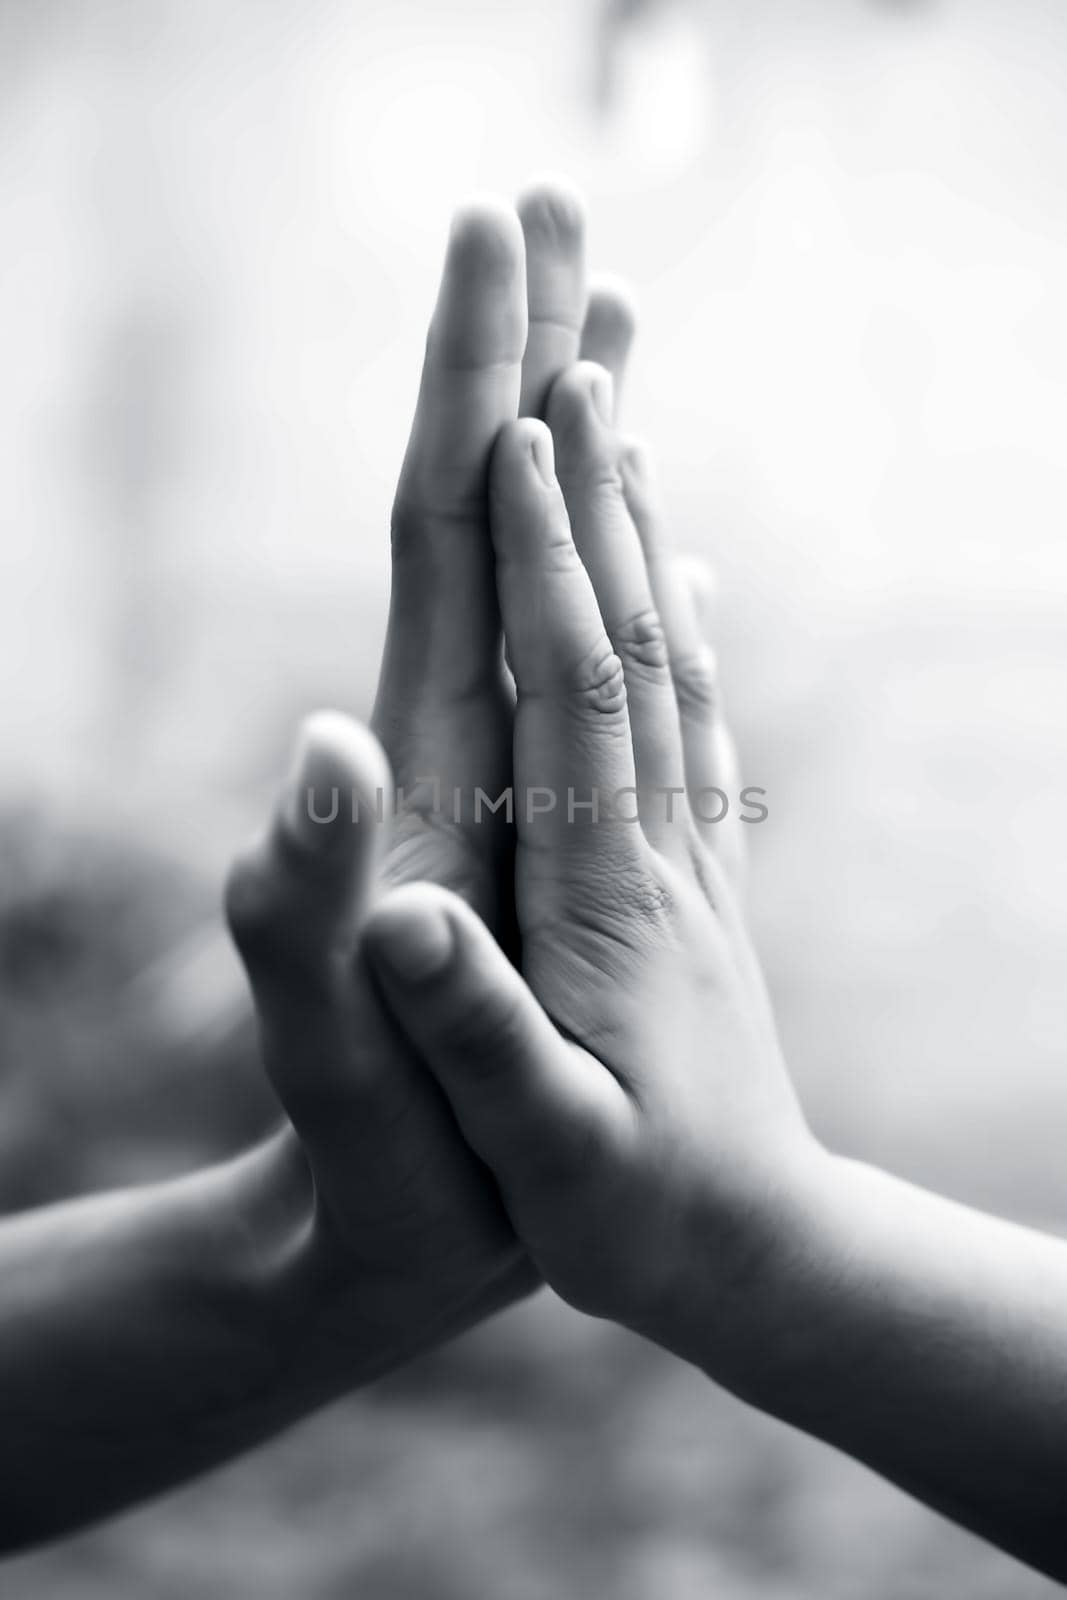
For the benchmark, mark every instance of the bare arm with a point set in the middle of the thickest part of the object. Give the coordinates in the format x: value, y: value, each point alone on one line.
x: 148, y: 1334
x: 929, y: 1341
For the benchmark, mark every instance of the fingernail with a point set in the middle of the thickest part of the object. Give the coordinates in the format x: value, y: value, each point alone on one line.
x: 544, y: 456
x: 602, y: 393
x: 413, y: 947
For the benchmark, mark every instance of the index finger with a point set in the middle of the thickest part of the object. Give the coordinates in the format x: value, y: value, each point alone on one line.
x: 443, y: 591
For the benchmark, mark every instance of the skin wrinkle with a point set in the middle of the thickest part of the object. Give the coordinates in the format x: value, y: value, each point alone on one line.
x: 641, y: 641
x: 624, y: 905
x: 448, y: 366
x: 560, y: 324
x: 552, y: 537
x: 590, y: 481
x: 428, y: 520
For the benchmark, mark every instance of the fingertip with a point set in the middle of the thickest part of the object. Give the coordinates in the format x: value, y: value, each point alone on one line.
x: 348, y: 746
x: 522, y: 444
x: 553, y: 223
x: 485, y: 242
x: 610, y: 323
x: 339, y: 772
x: 529, y: 528
x: 613, y: 302
x: 581, y: 405
x: 480, y: 319
x: 552, y: 213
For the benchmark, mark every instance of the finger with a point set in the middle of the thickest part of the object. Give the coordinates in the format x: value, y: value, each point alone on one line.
x: 608, y: 331
x: 525, y: 1100
x: 579, y: 412
x: 682, y: 593
x: 443, y: 636
x: 553, y: 225
x: 295, y: 903
x: 299, y: 895
x: 572, y: 731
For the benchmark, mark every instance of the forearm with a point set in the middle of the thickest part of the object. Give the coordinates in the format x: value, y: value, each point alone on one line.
x: 147, y: 1335
x: 929, y: 1341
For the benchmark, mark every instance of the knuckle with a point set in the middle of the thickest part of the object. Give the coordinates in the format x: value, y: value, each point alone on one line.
x: 655, y: 904
x: 543, y: 517
x: 642, y: 643
x: 427, y: 506
x: 599, y: 681
x: 633, y: 904
x: 696, y: 685
x: 586, y: 467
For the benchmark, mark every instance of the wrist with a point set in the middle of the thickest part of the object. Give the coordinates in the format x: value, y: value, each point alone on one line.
x: 270, y: 1254
x: 333, y: 1318
x: 750, y: 1289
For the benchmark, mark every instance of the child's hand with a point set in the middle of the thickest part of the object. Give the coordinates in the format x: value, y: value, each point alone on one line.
x: 407, y: 1221
x: 637, y: 1111
x: 400, y: 1234
x: 637, y: 1114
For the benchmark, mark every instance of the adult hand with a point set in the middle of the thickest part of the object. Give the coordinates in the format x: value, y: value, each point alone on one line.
x: 402, y: 1218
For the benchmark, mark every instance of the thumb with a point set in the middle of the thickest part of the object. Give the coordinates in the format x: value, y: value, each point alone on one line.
x: 529, y: 1103
x: 294, y: 901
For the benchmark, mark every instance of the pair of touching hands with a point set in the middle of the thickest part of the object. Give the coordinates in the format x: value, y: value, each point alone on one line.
x: 534, y: 1046
x: 524, y: 1047
x: 515, y: 1041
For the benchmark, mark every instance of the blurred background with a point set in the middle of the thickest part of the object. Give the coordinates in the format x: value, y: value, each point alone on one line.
x: 846, y: 225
